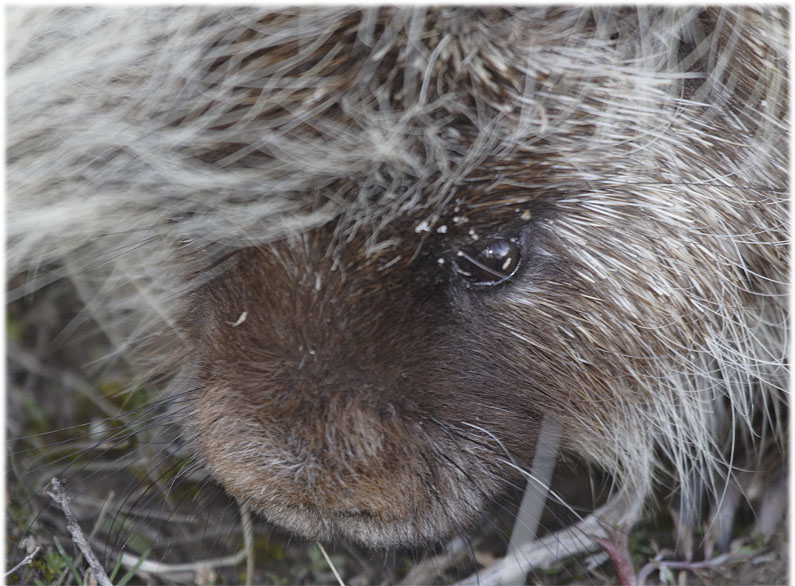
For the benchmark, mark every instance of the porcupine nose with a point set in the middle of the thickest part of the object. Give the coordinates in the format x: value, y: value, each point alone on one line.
x: 331, y: 372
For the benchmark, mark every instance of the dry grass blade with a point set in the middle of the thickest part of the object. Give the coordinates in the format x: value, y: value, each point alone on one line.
x: 330, y: 564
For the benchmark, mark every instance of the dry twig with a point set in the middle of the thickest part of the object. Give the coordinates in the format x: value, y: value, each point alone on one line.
x: 58, y: 494
x: 620, y: 511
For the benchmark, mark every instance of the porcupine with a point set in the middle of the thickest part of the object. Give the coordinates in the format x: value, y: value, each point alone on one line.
x: 375, y: 249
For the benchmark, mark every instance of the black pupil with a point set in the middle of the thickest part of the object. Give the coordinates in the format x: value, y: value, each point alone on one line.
x: 493, y: 263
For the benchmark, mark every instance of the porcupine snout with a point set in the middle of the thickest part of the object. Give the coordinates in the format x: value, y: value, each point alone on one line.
x: 332, y: 395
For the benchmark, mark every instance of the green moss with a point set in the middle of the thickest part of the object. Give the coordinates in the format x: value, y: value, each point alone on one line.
x: 47, y: 567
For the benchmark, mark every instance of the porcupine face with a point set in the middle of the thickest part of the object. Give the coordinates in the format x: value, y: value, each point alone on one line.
x: 362, y: 396
x: 526, y: 227
x: 370, y: 390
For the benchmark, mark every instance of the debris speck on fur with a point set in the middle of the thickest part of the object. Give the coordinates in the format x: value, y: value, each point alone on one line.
x: 240, y: 320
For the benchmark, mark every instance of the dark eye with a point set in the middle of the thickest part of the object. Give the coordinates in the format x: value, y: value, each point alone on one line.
x: 491, y: 264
